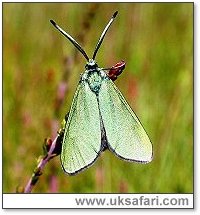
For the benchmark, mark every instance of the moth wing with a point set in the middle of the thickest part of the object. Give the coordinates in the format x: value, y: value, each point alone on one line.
x: 125, y: 135
x: 82, y: 138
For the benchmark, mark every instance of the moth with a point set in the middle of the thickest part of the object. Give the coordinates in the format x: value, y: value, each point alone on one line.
x: 100, y: 118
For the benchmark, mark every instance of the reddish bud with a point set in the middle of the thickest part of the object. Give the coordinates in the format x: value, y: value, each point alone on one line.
x: 116, y: 70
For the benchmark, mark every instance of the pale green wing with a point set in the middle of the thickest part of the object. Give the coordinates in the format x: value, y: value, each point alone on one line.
x: 82, y: 138
x: 125, y: 135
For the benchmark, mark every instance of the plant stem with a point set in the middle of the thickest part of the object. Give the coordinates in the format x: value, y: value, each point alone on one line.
x: 42, y: 162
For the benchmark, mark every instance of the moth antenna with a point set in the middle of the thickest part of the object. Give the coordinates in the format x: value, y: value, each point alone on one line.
x: 71, y: 39
x: 103, y: 34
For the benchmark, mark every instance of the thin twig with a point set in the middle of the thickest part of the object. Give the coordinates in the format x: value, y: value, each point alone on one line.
x: 51, y: 150
x: 42, y: 162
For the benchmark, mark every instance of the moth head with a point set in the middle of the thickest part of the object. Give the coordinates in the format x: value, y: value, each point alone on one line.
x: 91, y: 65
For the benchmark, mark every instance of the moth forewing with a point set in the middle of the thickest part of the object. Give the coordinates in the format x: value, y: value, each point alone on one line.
x: 125, y: 134
x: 82, y: 137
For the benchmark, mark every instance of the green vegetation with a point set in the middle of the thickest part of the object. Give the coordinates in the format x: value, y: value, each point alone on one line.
x: 155, y: 40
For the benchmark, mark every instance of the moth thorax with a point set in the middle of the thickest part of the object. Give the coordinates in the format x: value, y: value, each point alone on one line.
x: 95, y: 81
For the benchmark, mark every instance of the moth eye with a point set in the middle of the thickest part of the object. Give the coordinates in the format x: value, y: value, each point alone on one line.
x: 86, y: 66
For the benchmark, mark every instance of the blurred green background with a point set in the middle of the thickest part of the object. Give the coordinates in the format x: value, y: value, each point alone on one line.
x: 155, y: 40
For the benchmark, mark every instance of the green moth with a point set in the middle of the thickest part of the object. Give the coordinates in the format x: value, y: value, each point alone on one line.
x: 100, y: 118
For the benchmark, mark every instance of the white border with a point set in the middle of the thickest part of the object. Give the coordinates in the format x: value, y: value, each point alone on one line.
x: 16, y: 197
x: 53, y: 201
